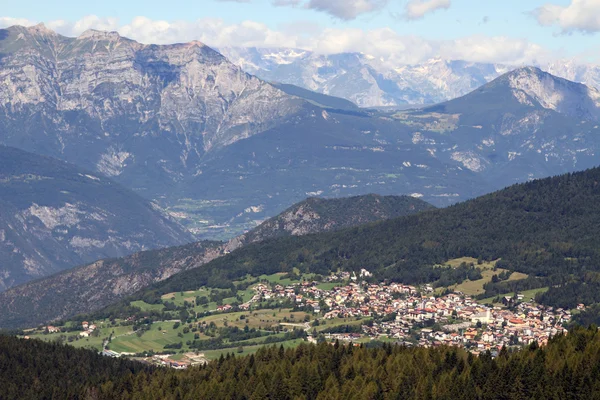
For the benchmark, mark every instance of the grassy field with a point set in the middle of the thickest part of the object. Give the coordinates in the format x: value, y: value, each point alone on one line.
x: 332, y: 323
x: 257, y: 319
x: 154, y: 339
x: 147, y: 307
x: 91, y: 342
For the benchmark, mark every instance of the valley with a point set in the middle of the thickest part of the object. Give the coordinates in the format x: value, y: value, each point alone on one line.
x: 300, y: 200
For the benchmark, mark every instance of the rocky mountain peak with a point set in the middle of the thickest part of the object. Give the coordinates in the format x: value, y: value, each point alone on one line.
x: 99, y: 35
x: 41, y: 29
x: 531, y: 85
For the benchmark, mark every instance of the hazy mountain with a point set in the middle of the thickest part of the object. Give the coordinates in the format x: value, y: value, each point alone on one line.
x: 363, y: 79
x: 375, y: 82
x: 175, y: 124
x: 54, y: 216
x: 91, y: 287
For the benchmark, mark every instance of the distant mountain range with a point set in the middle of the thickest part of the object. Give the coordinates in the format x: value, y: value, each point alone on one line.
x: 223, y: 150
x: 54, y: 216
x: 93, y: 286
x: 375, y: 82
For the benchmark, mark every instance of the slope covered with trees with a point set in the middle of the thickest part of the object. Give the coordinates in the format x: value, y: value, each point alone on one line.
x: 566, y: 369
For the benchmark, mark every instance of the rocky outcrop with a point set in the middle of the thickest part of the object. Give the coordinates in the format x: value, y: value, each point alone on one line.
x: 120, y: 107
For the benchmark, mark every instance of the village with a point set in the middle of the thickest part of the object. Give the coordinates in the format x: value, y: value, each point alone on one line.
x: 391, y: 312
x: 421, y: 318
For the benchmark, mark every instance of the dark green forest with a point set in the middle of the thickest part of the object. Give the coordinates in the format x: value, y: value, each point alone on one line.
x: 548, y: 228
x: 568, y: 368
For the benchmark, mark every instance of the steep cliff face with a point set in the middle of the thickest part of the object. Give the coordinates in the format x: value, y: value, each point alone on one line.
x: 93, y: 286
x: 54, y: 216
x: 118, y: 106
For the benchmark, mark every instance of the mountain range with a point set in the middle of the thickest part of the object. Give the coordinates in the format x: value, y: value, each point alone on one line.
x: 54, y: 216
x: 223, y: 150
x: 370, y: 81
x: 90, y: 287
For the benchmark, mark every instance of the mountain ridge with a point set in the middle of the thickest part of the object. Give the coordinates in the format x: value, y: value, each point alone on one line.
x: 222, y: 150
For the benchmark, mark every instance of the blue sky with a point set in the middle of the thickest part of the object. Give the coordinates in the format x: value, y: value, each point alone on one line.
x: 408, y: 30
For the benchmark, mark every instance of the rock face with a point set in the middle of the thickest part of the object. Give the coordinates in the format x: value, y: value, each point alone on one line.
x: 525, y: 124
x: 54, y: 216
x: 91, y: 287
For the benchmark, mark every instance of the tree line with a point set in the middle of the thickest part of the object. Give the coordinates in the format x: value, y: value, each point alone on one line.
x: 567, y: 368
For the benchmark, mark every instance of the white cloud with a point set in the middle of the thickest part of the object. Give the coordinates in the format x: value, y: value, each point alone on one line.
x: 416, y: 9
x: 286, y: 3
x: 385, y: 44
x: 347, y: 9
x: 9, y: 21
x: 579, y: 15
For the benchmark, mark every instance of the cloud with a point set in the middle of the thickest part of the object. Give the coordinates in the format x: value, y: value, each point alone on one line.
x: 416, y: 9
x: 580, y: 15
x: 286, y: 3
x: 9, y: 21
x: 343, y: 9
x: 386, y: 45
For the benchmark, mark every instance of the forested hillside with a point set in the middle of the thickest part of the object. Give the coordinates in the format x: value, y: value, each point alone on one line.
x: 565, y: 369
x: 548, y: 228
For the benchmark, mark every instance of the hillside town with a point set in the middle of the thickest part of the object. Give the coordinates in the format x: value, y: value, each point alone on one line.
x: 416, y: 316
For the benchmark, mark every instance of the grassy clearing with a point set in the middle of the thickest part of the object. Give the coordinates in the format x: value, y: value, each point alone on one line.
x: 153, y: 339
x: 104, y: 330
x: 147, y: 307
x: 329, y: 285
x: 474, y: 288
x: 332, y: 323
x: 528, y: 295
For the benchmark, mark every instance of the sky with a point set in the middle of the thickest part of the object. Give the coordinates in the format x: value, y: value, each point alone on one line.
x: 399, y: 31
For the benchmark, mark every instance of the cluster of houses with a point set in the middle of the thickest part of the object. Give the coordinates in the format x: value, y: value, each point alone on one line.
x: 88, y: 329
x: 459, y: 320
